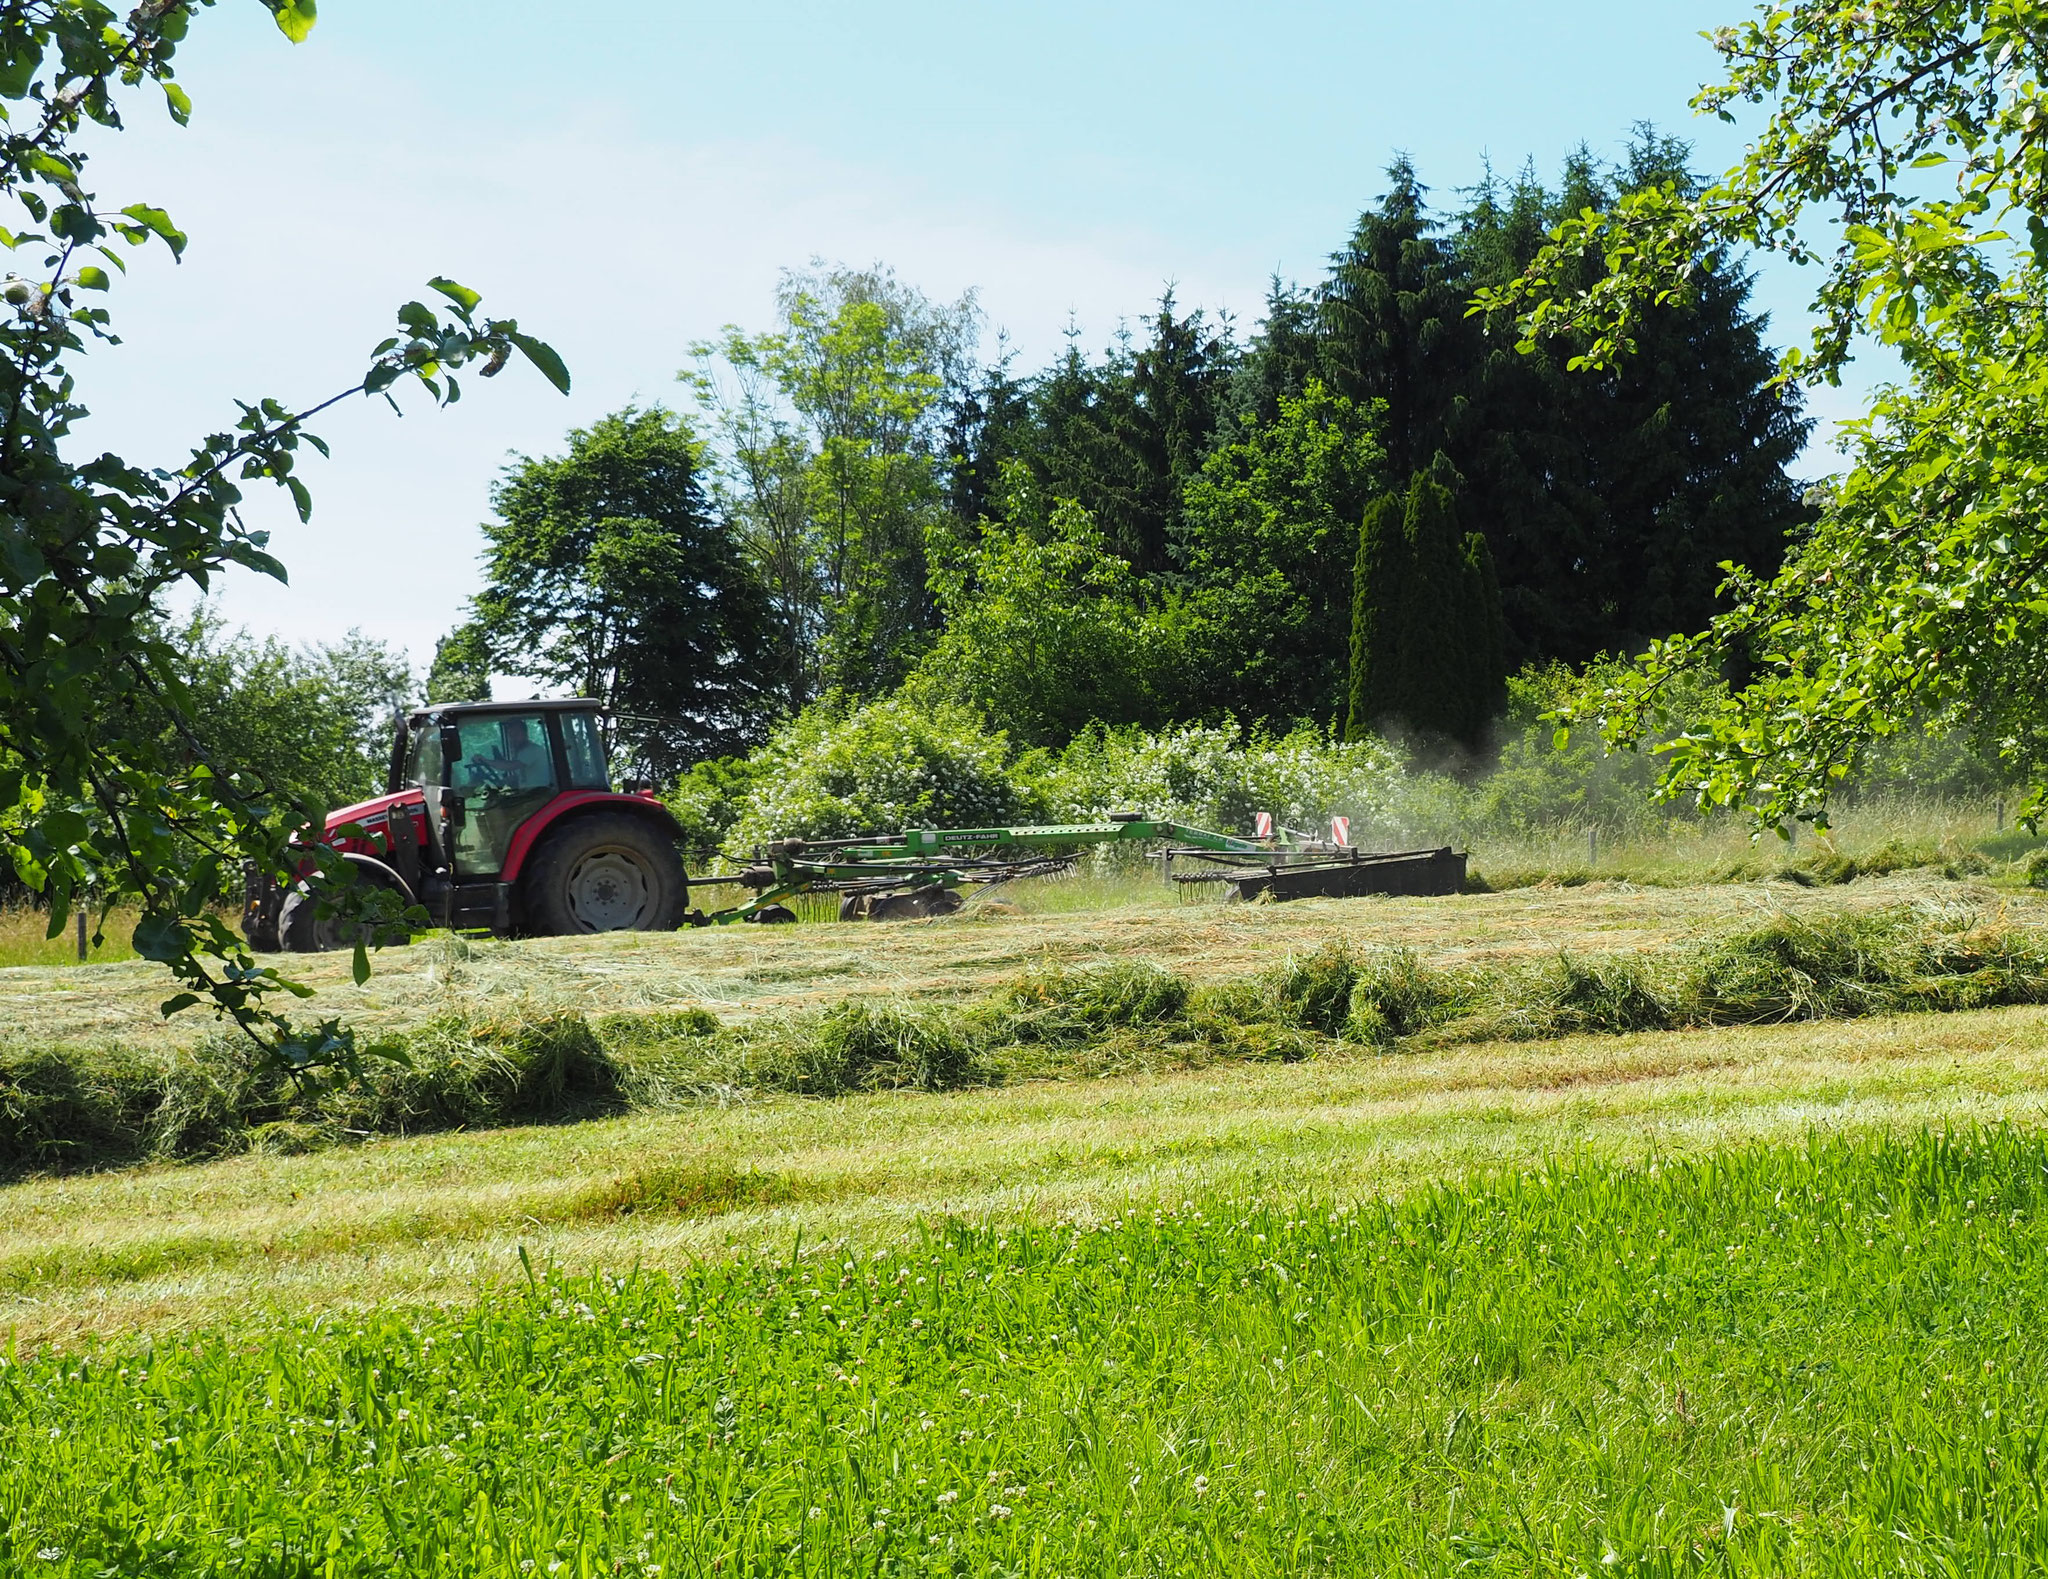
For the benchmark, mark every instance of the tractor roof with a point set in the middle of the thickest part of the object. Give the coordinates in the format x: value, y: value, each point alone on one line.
x: 560, y: 704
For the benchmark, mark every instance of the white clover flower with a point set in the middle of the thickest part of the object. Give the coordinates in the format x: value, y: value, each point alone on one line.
x: 946, y: 1497
x: 997, y: 1511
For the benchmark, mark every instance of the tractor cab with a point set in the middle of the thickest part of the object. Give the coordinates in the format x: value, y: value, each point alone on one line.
x: 497, y: 815
x: 483, y: 769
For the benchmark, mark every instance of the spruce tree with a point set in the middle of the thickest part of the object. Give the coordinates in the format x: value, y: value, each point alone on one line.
x: 1123, y: 437
x: 1393, y: 321
x: 1609, y: 500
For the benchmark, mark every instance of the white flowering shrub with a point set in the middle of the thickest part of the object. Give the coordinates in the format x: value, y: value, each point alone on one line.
x: 835, y: 771
x: 1215, y: 776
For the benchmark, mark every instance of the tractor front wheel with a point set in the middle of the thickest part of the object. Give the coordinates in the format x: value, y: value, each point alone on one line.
x: 302, y: 929
x: 606, y: 873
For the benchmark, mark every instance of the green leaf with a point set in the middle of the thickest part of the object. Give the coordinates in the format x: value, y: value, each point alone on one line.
x: 160, y: 938
x: 74, y: 222
x: 93, y: 279
x: 461, y: 295
x: 28, y: 868
x: 180, y: 103
x: 300, y: 498
x: 295, y: 18
x: 202, y: 884
x: 360, y: 969
x: 155, y: 219
x: 18, y: 65
x: 183, y: 1000
x: 64, y: 828
x: 52, y: 168
x: 543, y: 356
x: 417, y: 318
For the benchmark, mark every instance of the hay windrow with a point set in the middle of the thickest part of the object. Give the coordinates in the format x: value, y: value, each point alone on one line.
x: 84, y: 1105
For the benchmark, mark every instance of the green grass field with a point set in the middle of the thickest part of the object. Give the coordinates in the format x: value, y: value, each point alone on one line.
x: 1756, y: 1298
x: 1817, y: 1358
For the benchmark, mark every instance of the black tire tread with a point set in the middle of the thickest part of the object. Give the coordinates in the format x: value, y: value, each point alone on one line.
x: 547, y: 912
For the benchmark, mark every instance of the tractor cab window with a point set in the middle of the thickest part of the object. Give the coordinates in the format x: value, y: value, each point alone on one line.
x: 506, y: 773
x: 506, y: 752
x: 423, y: 760
x: 583, y: 742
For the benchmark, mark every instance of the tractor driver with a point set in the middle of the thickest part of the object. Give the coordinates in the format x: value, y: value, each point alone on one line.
x: 523, y: 761
x: 513, y: 761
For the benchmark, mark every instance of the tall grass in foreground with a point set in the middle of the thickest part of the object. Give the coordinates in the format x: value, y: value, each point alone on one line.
x: 1817, y: 1360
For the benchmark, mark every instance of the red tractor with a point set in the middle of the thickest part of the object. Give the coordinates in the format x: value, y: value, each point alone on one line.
x: 498, y: 815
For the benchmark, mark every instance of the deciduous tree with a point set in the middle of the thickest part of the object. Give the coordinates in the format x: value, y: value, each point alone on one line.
x: 609, y: 577
x: 829, y: 438
x: 1268, y: 531
x: 1902, y: 151
x: 91, y: 547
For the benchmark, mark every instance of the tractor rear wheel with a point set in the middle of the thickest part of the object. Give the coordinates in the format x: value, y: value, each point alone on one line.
x: 606, y: 873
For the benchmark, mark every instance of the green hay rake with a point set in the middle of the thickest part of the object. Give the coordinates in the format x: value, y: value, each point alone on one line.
x: 922, y: 871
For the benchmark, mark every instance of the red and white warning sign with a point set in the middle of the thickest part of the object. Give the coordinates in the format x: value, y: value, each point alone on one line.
x: 1262, y: 825
x: 1340, y: 831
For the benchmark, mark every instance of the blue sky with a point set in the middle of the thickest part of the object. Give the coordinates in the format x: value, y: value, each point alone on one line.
x: 627, y: 178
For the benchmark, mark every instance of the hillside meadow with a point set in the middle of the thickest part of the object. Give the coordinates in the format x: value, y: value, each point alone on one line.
x: 1108, y: 1064
x: 1184, y: 1269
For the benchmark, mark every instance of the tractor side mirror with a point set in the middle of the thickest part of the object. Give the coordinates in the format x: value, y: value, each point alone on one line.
x: 451, y: 745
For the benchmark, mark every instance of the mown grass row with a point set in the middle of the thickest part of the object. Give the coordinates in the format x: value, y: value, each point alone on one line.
x: 71, y: 1107
x: 2014, y: 856
x: 1815, y: 1360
